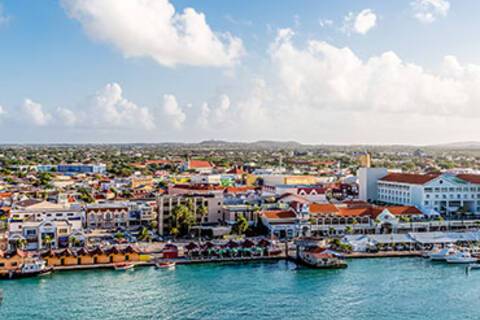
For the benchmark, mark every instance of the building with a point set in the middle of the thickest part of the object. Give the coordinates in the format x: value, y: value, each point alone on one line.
x: 73, y: 168
x: 166, y: 204
x: 282, y: 224
x: 108, y: 216
x: 199, y: 166
x: 37, y: 235
x: 368, y: 178
x: 444, y: 193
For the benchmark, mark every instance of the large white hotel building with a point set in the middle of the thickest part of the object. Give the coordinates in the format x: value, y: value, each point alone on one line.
x: 442, y: 192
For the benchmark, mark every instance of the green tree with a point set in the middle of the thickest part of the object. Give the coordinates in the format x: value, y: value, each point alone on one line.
x: 203, y: 212
x: 241, y: 225
x: 183, y: 218
x: 47, y: 241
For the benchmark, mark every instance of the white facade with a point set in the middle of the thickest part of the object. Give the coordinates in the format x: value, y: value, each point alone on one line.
x: 368, y: 178
x: 445, y: 194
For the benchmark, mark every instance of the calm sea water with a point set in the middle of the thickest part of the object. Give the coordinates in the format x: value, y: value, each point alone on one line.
x: 368, y: 289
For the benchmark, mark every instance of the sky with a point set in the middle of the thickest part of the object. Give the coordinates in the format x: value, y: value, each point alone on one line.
x: 321, y: 72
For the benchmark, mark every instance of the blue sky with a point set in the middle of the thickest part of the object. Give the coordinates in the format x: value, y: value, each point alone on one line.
x: 312, y: 71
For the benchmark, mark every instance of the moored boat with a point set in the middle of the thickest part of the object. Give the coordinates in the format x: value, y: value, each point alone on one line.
x: 461, y: 257
x: 31, y: 268
x: 442, y: 254
x: 165, y: 265
x: 123, y: 266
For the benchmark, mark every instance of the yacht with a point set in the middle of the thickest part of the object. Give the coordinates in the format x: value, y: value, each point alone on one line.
x: 461, y: 257
x: 442, y: 254
x: 31, y: 268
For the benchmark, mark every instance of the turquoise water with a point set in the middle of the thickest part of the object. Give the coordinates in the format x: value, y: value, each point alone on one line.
x: 369, y: 289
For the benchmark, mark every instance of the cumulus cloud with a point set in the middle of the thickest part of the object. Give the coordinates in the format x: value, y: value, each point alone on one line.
x: 172, y: 110
x: 216, y: 115
x: 360, y: 23
x: 152, y: 28
x: 427, y: 11
x: 109, y: 109
x: 33, y: 113
x: 319, y: 88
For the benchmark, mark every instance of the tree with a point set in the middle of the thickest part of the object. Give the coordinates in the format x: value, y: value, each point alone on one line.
x: 47, y: 241
x: 21, y: 244
x: 202, y: 211
x: 183, y: 218
x: 348, y: 230
x: 144, y: 235
x: 241, y: 225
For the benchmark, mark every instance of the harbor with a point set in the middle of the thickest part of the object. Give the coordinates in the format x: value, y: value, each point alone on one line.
x: 260, y: 290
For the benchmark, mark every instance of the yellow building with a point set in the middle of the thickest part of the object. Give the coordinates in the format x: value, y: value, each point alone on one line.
x: 365, y: 160
x: 68, y: 257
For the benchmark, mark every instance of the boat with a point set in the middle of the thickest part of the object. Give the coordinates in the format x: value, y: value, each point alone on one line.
x: 472, y: 266
x: 321, y: 258
x: 31, y: 268
x: 165, y: 265
x: 123, y: 266
x: 461, y: 257
x: 442, y: 254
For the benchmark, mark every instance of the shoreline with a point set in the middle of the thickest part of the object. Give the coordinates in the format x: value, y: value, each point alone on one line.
x: 291, y: 258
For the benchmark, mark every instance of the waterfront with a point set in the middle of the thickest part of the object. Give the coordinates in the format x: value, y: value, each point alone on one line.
x: 401, y: 288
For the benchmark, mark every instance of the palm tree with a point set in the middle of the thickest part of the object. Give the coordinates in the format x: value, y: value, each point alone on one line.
x: 47, y: 241
x: 348, y: 230
x: 21, y: 244
x: 144, y: 235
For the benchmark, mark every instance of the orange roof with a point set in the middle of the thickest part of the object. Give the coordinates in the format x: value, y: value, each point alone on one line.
x: 322, y: 208
x: 279, y: 214
x: 193, y: 164
x: 4, y: 195
x: 241, y: 189
x: 472, y: 178
x: 403, y: 210
x: 360, y: 212
x: 410, y: 178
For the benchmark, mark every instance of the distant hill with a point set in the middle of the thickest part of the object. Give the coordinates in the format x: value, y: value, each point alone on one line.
x: 458, y: 145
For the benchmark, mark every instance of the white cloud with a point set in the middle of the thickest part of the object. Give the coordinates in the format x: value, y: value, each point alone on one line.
x: 172, y: 110
x: 427, y: 11
x: 152, y: 28
x: 67, y: 117
x: 109, y: 109
x: 360, y: 23
x: 321, y: 90
x: 216, y: 116
x: 33, y: 112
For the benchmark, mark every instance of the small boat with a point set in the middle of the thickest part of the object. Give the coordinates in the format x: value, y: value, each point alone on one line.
x: 461, y: 257
x: 442, y: 254
x: 472, y: 266
x: 123, y: 266
x: 31, y: 268
x: 165, y: 265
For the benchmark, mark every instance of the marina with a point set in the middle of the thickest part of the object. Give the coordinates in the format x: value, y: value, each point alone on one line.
x: 410, y: 288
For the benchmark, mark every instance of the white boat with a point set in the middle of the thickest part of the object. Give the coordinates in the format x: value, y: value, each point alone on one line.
x: 461, y: 257
x: 31, y: 268
x: 442, y: 254
x: 165, y: 265
x: 123, y: 266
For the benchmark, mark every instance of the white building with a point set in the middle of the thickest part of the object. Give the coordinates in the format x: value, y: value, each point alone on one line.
x: 445, y: 193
